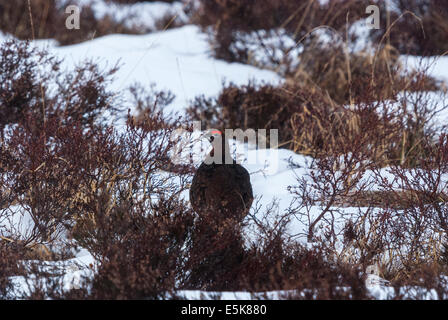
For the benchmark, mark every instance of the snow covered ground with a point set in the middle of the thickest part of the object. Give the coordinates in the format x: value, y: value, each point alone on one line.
x: 139, y: 14
x: 180, y: 60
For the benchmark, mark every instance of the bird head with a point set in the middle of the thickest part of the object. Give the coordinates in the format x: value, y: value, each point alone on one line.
x: 212, y: 135
x: 220, y: 147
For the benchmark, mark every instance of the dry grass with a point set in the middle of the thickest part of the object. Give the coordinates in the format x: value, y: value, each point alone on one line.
x: 417, y: 27
x: 396, y: 199
x: 45, y: 19
x: 231, y: 20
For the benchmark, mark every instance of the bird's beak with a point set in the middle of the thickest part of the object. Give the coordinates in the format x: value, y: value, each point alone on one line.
x: 206, y: 135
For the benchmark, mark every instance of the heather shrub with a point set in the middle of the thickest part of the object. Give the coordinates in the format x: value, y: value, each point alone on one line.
x: 98, y: 190
x: 232, y: 20
x: 312, y: 44
x: 398, y: 227
x: 356, y: 77
x: 268, y: 261
x: 144, y: 258
x: 33, y: 85
x: 9, y: 266
x: 275, y: 262
x: 44, y: 19
x: 311, y: 123
x: 261, y: 107
x: 417, y: 27
x: 83, y: 181
x: 20, y: 80
x: 38, y: 128
x: 217, y: 255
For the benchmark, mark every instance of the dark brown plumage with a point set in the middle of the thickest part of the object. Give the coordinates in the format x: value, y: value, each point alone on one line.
x: 221, y: 189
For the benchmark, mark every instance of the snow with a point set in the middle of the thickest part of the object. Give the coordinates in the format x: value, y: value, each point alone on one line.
x: 236, y: 295
x: 141, y: 13
x: 72, y: 271
x: 17, y: 220
x: 178, y: 60
x: 437, y: 66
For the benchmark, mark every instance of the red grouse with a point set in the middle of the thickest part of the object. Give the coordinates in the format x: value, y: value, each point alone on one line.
x: 221, y: 188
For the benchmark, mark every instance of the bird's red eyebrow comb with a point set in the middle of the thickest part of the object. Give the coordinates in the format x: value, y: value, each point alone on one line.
x: 216, y: 131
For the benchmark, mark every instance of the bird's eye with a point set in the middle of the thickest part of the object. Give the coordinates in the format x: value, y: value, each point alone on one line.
x: 212, y: 138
